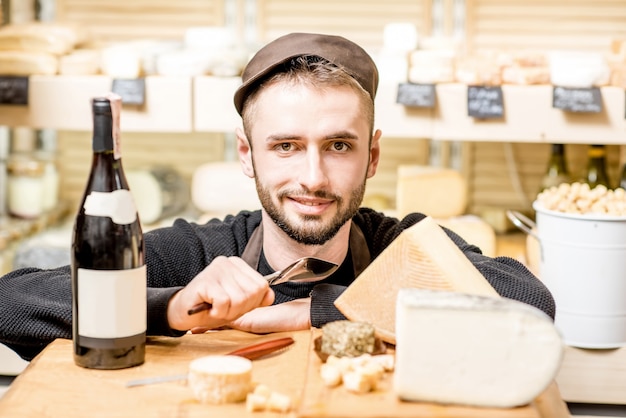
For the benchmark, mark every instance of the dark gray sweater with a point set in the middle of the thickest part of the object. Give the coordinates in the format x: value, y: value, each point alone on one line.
x: 36, y: 305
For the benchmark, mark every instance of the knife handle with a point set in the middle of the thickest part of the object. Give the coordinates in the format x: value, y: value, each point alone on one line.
x: 204, y: 306
x: 256, y: 351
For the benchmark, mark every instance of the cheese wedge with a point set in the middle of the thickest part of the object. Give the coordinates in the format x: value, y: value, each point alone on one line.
x: 423, y: 256
x: 455, y: 348
x: 220, y: 379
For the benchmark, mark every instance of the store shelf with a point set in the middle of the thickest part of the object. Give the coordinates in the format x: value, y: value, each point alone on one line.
x: 529, y: 117
x: 205, y: 104
x: 62, y: 102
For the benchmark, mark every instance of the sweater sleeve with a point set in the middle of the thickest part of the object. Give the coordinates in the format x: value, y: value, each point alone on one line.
x: 36, y: 304
x: 509, y: 277
x: 36, y: 307
x: 323, y: 309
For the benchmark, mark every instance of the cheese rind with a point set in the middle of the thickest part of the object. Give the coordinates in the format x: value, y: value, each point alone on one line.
x: 220, y: 379
x: 455, y: 348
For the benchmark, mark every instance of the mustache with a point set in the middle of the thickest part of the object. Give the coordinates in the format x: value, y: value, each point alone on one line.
x: 320, y: 194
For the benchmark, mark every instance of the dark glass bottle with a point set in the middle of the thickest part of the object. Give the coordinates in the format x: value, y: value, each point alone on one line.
x: 622, y: 178
x: 108, y: 270
x: 557, y: 171
x: 596, y: 167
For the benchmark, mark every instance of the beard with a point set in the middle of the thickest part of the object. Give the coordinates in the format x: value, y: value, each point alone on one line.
x: 310, y: 229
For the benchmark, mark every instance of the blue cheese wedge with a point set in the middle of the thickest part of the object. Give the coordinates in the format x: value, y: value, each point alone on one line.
x: 456, y: 348
x: 348, y: 338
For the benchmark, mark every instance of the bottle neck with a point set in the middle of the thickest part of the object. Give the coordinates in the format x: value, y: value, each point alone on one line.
x: 596, y: 152
x: 558, y: 150
x: 102, y: 140
x: 557, y: 158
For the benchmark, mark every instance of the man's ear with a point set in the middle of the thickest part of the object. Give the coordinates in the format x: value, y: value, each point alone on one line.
x: 245, y: 152
x: 374, y: 153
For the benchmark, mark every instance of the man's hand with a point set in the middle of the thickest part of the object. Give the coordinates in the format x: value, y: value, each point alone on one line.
x: 230, y: 285
x: 288, y: 316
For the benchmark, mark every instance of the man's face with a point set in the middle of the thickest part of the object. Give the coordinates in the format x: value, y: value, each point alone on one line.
x: 311, y: 157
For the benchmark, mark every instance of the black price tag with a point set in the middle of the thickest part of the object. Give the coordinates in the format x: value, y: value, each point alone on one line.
x: 13, y: 90
x: 132, y: 91
x: 580, y: 100
x: 416, y: 95
x: 485, y: 102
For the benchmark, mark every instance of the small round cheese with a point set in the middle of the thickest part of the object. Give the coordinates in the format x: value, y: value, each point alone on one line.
x: 220, y: 379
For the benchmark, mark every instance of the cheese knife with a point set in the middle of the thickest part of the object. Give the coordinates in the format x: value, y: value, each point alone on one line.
x: 251, y: 352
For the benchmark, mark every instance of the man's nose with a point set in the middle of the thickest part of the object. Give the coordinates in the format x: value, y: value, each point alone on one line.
x: 313, y: 175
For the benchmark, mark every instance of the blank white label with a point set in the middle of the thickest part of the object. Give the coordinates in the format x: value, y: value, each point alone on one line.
x: 118, y: 205
x: 112, y: 303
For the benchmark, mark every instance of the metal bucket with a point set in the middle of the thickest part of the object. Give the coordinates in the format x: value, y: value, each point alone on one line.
x: 583, y: 264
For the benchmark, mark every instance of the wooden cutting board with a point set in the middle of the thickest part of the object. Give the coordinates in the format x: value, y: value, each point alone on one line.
x: 53, y: 386
x: 322, y: 401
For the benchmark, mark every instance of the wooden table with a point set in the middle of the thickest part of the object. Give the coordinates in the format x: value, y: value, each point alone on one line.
x: 53, y: 386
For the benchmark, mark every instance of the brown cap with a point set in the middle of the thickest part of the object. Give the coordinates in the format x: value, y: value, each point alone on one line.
x: 339, y: 51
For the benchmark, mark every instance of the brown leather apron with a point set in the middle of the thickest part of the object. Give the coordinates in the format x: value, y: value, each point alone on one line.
x: 358, y: 249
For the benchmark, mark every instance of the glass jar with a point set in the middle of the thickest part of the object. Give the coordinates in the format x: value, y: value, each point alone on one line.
x: 25, y: 187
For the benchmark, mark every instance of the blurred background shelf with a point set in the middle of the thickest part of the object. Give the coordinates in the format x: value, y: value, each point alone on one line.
x: 205, y: 104
x: 62, y: 103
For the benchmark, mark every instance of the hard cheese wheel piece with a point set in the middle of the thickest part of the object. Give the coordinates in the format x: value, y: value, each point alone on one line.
x: 80, y: 62
x: 455, y: 348
x: 220, y: 379
x: 147, y: 194
x: 212, y: 182
x: 22, y: 63
x: 474, y: 230
x: 437, y: 192
x: 41, y: 37
x: 423, y: 256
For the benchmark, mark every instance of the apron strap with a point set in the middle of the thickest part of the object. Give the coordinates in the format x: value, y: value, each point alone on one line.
x: 360, y: 252
x: 252, y: 252
x: 358, y: 247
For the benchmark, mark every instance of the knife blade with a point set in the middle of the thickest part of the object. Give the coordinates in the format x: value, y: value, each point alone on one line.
x: 251, y: 352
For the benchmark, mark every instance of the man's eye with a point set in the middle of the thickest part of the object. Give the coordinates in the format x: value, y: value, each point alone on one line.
x: 285, y: 146
x: 340, y: 146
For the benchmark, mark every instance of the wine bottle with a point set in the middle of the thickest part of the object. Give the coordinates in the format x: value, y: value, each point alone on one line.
x: 109, y: 307
x: 596, y: 167
x: 557, y: 171
x: 622, y: 178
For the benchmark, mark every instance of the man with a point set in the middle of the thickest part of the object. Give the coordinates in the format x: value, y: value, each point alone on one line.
x: 308, y: 140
